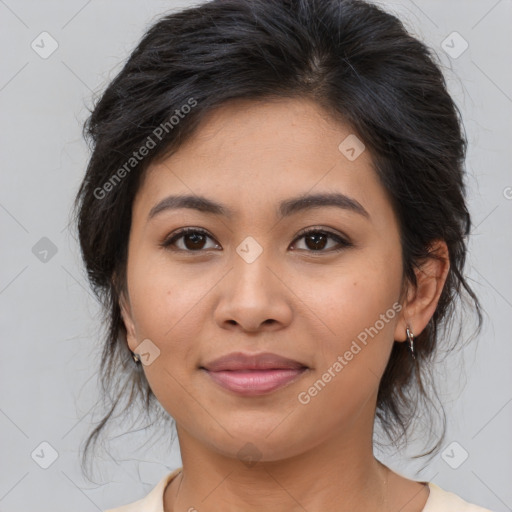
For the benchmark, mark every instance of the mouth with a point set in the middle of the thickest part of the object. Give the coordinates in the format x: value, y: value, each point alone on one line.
x: 253, y: 374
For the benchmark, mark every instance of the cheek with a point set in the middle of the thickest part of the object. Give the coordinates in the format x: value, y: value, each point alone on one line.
x: 163, y: 299
x: 168, y: 310
x: 351, y: 297
x: 360, y: 310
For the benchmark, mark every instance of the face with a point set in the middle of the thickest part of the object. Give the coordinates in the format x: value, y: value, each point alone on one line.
x: 247, y: 279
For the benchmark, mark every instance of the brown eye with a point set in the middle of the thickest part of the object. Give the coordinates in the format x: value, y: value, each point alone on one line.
x: 192, y: 240
x: 316, y: 240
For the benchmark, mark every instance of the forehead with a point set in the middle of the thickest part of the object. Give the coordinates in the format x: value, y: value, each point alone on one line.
x: 249, y: 153
x: 274, y: 127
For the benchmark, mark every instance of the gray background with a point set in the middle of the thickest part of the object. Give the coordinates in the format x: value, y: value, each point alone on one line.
x: 50, y: 321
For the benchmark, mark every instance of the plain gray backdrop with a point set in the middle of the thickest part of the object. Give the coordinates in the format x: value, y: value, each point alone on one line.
x: 55, y: 56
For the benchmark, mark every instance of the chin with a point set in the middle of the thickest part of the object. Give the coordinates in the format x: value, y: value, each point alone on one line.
x: 251, y: 443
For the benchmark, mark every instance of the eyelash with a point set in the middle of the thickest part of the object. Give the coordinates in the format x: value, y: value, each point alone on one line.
x: 170, y: 240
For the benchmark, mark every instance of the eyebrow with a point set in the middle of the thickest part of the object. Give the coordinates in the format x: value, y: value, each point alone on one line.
x: 286, y: 208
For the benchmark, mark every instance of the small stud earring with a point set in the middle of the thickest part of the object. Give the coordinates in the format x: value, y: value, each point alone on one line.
x: 136, y: 357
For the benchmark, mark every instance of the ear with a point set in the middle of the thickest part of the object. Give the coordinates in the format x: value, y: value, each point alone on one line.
x: 422, y: 300
x: 126, y: 313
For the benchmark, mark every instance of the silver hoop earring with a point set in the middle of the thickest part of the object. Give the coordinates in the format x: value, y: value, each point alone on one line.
x: 410, y: 338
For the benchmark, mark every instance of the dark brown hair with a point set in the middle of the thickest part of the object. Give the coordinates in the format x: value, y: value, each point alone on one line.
x: 354, y: 60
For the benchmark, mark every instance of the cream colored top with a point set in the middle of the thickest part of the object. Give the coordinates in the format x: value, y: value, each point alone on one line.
x: 439, y: 500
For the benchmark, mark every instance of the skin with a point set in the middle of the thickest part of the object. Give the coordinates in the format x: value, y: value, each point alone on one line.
x: 300, y: 303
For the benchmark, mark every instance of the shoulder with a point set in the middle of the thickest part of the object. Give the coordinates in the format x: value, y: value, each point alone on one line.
x: 440, y: 500
x: 152, y: 502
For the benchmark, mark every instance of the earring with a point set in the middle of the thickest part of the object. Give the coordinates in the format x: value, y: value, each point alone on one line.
x: 136, y: 357
x: 410, y: 338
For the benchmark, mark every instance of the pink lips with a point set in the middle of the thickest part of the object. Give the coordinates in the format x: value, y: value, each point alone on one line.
x: 253, y: 374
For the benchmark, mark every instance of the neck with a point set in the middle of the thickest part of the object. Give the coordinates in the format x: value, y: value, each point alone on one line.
x: 340, y: 474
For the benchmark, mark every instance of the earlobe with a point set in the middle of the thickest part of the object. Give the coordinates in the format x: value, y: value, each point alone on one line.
x: 128, y: 322
x: 422, y: 301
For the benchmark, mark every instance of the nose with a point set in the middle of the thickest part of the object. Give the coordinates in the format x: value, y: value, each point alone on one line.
x: 253, y: 297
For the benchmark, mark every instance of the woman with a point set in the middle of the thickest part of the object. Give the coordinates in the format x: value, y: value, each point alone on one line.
x: 274, y: 217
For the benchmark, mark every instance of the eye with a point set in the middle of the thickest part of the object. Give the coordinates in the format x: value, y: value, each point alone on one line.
x: 193, y: 240
x: 316, y: 240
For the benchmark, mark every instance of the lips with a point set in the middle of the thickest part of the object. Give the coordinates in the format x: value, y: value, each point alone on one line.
x: 253, y: 374
x: 265, y: 361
